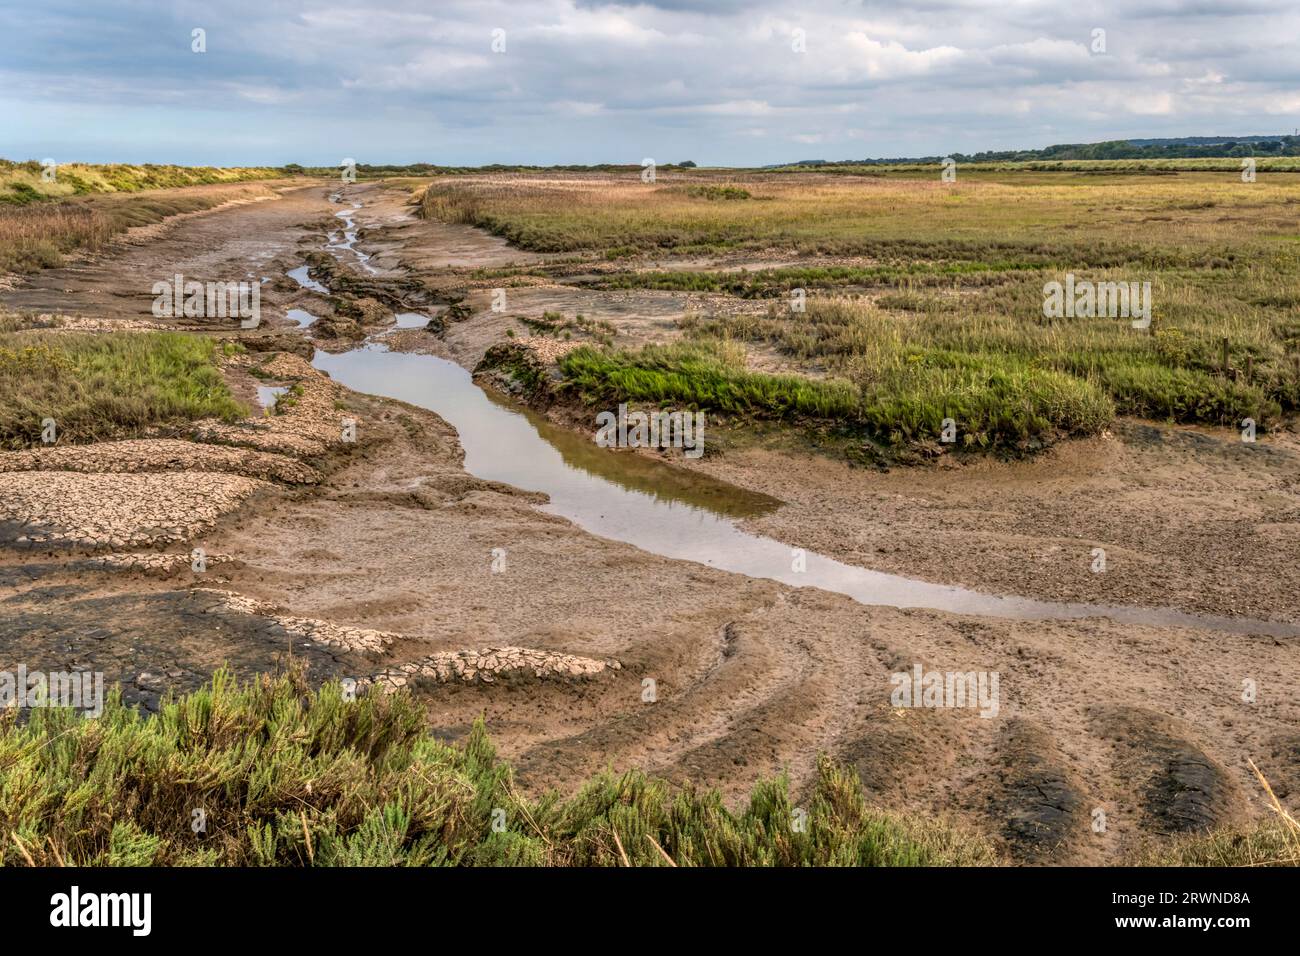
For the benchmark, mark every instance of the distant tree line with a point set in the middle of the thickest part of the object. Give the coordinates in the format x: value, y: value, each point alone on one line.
x: 1198, y: 147
x: 1191, y: 147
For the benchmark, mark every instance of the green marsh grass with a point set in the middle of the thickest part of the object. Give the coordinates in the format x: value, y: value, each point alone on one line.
x: 926, y: 299
x: 288, y: 776
x: 104, y: 386
x: 999, y: 404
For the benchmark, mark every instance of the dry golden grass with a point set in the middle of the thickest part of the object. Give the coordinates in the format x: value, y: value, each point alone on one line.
x: 38, y: 235
x: 859, y: 215
x: 33, y: 237
x: 1274, y: 842
x: 25, y: 182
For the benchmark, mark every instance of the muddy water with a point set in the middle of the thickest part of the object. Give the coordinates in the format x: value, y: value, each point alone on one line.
x: 609, y: 494
x: 347, y: 242
x: 666, y: 510
x: 299, y: 275
x: 267, y: 394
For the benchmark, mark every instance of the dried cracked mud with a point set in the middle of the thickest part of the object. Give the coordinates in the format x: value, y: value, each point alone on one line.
x: 378, y: 560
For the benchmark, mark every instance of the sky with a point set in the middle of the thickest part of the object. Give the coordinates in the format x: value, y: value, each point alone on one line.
x: 726, y: 82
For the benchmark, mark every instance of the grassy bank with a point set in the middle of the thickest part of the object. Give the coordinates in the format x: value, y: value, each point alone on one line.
x: 40, y: 235
x: 84, y: 206
x: 902, y: 399
x: 285, y: 776
x: 897, y: 365
x: 115, y: 385
x: 27, y: 182
x: 897, y: 342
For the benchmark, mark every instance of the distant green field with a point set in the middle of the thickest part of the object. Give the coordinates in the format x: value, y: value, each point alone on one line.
x: 25, y: 182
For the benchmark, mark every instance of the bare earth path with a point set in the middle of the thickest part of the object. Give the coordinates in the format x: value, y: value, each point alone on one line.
x: 395, y: 542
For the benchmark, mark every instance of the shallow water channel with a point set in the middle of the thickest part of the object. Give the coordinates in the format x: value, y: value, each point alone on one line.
x: 666, y: 510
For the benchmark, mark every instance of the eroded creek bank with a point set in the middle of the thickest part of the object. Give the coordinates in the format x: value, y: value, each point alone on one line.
x: 387, y: 558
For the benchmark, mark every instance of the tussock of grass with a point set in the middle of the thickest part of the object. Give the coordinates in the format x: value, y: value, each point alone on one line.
x: 1271, y: 843
x: 1275, y: 842
x: 997, y: 403
x: 705, y: 376
x: 710, y: 191
x: 37, y: 237
x: 289, y: 777
x: 106, y: 386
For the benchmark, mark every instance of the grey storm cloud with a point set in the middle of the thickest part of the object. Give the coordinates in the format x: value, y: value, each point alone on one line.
x: 583, y: 81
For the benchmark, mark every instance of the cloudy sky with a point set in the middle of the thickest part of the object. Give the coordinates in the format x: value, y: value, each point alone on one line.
x: 725, y: 82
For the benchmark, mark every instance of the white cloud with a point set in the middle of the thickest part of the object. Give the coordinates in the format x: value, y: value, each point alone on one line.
x: 892, y: 60
x: 590, y: 81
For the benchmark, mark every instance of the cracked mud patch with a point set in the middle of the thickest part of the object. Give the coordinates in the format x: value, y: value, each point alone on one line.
x: 72, y: 510
x: 151, y: 643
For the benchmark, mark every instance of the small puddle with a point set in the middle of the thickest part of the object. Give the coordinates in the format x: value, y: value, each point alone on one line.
x: 299, y: 275
x: 267, y: 394
x: 302, y: 317
x: 670, y: 511
x: 410, y: 320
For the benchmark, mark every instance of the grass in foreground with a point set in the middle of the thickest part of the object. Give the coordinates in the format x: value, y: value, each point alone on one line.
x: 1272, y: 843
x: 280, y: 775
x: 1275, y: 842
x: 286, y: 776
x: 104, y: 386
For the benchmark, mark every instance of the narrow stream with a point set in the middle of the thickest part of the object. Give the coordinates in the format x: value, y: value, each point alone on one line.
x: 348, y: 241
x: 670, y: 511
